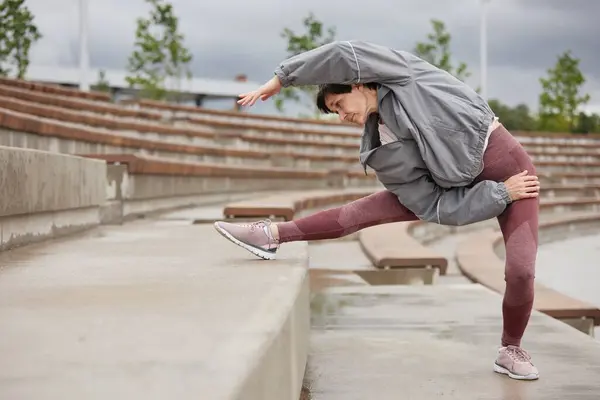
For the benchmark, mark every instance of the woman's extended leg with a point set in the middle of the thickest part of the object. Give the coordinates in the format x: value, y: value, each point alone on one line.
x: 378, y: 208
x: 262, y: 240
x: 503, y: 158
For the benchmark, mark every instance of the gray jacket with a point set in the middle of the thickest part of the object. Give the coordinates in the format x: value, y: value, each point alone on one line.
x: 440, y: 123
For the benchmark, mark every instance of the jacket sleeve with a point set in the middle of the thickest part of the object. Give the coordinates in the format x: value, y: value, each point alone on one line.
x: 345, y: 62
x: 455, y: 206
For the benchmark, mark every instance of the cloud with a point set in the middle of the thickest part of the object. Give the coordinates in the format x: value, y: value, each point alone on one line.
x: 228, y: 37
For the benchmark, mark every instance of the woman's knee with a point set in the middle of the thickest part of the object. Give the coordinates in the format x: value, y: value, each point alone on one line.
x: 520, y: 275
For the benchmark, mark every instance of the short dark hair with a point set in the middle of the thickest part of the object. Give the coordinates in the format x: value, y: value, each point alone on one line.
x: 335, y: 88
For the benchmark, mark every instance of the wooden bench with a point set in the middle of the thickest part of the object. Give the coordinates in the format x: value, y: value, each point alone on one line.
x: 145, y: 164
x: 391, y: 246
x: 581, y: 190
x: 477, y: 259
x: 55, y: 89
x: 569, y: 204
x: 30, y: 106
x: 286, y: 205
x: 575, y: 177
x: 236, y: 115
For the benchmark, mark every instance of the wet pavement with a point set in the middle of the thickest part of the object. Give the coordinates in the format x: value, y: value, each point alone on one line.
x: 432, y: 342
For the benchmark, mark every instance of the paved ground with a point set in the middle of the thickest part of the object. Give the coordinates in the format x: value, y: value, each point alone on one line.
x: 436, y: 342
x: 152, y: 308
x: 149, y: 310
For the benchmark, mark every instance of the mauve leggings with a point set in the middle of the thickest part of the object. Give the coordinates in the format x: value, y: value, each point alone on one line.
x: 503, y: 158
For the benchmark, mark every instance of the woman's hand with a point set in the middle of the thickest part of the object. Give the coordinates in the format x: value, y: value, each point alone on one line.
x: 267, y: 90
x: 522, y: 186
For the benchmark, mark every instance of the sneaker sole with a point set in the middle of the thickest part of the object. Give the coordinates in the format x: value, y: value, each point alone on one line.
x: 265, y: 255
x: 502, y: 370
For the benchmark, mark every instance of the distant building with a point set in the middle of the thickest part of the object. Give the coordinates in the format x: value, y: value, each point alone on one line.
x: 194, y: 90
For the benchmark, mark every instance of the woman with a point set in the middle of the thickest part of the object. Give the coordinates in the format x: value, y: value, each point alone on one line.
x: 438, y: 150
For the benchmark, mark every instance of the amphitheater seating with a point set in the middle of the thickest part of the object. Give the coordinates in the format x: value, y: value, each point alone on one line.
x: 54, y: 89
x: 160, y: 156
x: 65, y: 120
x: 251, y: 121
x: 311, y: 148
x: 113, y: 121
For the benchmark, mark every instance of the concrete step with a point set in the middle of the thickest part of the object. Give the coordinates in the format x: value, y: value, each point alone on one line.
x: 432, y: 342
x: 152, y: 310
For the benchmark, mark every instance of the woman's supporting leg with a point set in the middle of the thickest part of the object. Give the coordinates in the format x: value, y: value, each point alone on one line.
x: 503, y: 158
x: 506, y: 157
x: 260, y: 239
x: 519, y: 227
x: 375, y: 209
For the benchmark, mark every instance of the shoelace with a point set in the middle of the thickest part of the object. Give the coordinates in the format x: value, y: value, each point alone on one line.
x: 258, y: 224
x: 518, y: 354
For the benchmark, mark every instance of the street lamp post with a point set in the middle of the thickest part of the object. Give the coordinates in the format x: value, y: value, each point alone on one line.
x: 483, y: 47
x: 83, y: 46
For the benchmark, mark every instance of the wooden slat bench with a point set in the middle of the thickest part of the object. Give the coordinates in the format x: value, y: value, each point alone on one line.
x: 55, y: 89
x: 569, y: 204
x: 477, y: 259
x: 287, y: 204
x: 581, y: 190
x: 391, y: 246
x: 146, y: 164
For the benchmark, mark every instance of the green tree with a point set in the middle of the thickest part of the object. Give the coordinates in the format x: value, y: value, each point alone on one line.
x: 102, y: 85
x: 514, y: 118
x: 315, y: 36
x: 560, y: 99
x: 17, y: 33
x: 587, y: 123
x: 159, y: 52
x: 437, y: 51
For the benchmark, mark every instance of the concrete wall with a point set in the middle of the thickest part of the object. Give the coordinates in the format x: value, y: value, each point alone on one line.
x: 47, y: 195
x: 131, y: 195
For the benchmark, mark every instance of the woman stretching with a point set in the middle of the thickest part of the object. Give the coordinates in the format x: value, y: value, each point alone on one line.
x: 438, y: 150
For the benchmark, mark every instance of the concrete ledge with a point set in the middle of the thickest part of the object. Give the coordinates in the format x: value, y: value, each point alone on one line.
x: 20, y: 230
x: 37, y: 181
x: 150, y: 310
x: 46, y: 195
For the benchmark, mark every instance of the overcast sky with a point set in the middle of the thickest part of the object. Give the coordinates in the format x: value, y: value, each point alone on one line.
x: 228, y: 37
